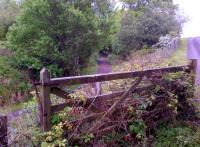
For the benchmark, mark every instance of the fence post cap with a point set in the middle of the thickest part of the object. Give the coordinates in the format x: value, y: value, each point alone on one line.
x: 44, y: 75
x: 44, y: 69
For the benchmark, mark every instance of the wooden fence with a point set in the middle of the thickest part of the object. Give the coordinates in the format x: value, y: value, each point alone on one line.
x: 53, y: 85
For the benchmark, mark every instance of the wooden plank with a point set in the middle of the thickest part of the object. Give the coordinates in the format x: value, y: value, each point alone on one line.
x: 45, y: 100
x: 110, y: 96
x: 37, y: 83
x: 3, y: 131
x: 104, y: 97
x: 109, y: 76
x: 112, y: 109
x: 88, y: 118
x: 59, y: 92
x: 57, y: 108
x: 60, y: 107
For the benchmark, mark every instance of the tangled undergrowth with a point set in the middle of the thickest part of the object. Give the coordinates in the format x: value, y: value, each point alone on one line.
x: 177, y: 136
x: 146, y: 118
x: 140, y: 121
x: 165, y: 106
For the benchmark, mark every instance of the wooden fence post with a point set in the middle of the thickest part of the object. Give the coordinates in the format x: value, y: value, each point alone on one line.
x: 45, y: 100
x: 194, y: 65
x: 193, y: 68
x: 3, y: 131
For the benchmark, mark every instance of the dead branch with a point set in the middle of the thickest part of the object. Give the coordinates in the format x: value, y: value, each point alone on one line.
x: 114, y: 106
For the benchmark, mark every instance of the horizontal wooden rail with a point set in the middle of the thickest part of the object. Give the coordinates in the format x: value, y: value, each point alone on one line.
x: 53, y: 85
x: 109, y: 76
x: 110, y: 96
x: 59, y: 92
x: 59, y: 107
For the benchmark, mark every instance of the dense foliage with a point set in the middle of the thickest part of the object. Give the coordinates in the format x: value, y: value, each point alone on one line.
x: 11, y: 82
x: 171, y: 93
x: 146, y: 114
x: 8, y: 12
x: 180, y: 136
x: 60, y: 35
x: 144, y: 22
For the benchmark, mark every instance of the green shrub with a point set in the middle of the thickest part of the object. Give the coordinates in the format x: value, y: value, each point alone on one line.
x: 9, y: 10
x: 11, y: 81
x: 180, y: 136
x: 60, y: 35
x: 143, y: 25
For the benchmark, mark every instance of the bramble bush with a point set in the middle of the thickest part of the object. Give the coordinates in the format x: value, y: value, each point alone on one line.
x: 143, y: 123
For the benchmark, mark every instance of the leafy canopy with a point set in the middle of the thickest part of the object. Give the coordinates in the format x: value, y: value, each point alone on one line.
x: 145, y: 21
x: 9, y: 10
x: 59, y: 35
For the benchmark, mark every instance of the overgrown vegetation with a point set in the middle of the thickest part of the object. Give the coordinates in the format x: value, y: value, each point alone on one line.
x: 11, y: 83
x: 141, y: 125
x: 75, y: 30
x: 65, y: 36
x: 136, y: 131
x: 84, y: 28
x: 177, y: 136
x: 9, y: 10
x: 144, y: 22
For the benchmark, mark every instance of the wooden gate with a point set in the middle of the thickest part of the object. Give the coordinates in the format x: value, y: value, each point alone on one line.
x: 54, y: 85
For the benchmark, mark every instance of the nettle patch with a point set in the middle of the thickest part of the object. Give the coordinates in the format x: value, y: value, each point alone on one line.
x: 136, y: 121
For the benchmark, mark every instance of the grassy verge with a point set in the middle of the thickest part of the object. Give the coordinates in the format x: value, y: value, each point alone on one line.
x: 180, y: 55
x: 89, y: 70
x: 18, y: 106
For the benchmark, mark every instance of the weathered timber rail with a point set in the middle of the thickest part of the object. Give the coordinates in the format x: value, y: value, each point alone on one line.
x: 53, y: 85
x: 107, y: 77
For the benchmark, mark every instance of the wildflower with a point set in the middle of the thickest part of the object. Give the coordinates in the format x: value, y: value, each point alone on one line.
x: 130, y: 109
x: 49, y: 138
